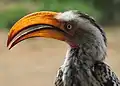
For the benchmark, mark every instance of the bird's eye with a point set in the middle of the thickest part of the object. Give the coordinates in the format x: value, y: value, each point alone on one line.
x: 69, y: 26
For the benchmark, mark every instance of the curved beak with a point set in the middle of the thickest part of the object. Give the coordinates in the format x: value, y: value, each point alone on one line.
x: 39, y: 24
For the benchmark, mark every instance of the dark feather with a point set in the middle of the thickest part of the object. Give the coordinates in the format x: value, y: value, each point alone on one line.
x: 101, y: 72
x: 105, y: 75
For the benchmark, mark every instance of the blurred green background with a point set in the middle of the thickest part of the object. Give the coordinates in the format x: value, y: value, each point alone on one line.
x: 105, y: 11
x: 34, y: 62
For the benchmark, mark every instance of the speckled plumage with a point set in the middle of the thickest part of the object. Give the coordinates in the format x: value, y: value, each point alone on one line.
x: 80, y: 73
x: 84, y: 65
x: 102, y: 73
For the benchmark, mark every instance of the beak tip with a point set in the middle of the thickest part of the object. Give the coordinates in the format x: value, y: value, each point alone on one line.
x: 8, y: 44
x: 9, y: 47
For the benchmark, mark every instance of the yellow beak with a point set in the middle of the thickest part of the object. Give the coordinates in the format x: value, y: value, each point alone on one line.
x: 39, y: 24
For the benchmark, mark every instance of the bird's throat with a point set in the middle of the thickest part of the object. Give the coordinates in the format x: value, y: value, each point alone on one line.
x: 77, y: 67
x: 79, y: 62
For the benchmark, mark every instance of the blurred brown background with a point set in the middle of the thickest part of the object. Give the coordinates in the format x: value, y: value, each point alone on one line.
x: 34, y: 62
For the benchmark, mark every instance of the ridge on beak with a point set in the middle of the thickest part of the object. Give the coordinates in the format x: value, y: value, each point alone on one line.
x: 38, y: 24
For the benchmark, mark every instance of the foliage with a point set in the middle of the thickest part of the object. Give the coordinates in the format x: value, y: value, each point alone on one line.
x: 109, y: 9
x: 10, y: 16
x: 61, y: 5
x: 106, y: 11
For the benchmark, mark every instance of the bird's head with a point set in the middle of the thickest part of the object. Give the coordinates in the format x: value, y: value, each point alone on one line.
x: 73, y: 27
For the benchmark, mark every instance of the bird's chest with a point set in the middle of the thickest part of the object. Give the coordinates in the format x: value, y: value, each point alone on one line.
x: 78, y: 76
x: 76, y: 71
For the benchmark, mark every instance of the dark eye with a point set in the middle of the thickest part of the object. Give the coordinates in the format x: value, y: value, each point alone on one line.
x: 68, y: 26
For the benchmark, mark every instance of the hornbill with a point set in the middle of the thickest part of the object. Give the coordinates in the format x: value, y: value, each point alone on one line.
x: 84, y: 62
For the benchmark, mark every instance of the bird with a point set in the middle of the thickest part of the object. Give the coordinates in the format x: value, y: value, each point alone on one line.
x: 84, y: 63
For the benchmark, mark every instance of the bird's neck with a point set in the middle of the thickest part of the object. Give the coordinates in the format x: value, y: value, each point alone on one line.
x: 86, y: 53
x: 79, y: 61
